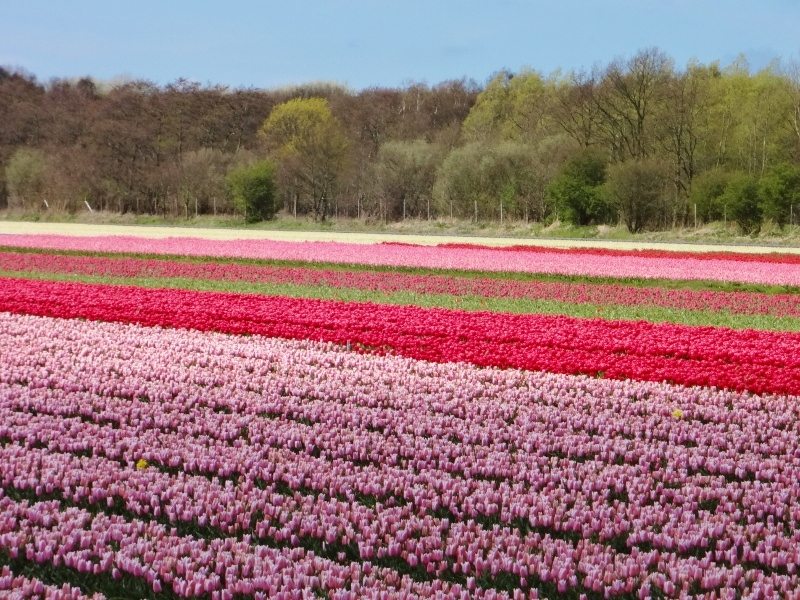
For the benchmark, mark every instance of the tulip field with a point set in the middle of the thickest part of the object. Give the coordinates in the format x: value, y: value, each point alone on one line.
x: 271, y: 419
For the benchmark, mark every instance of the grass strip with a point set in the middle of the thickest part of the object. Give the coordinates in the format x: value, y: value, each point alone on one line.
x: 653, y: 314
x: 677, y: 284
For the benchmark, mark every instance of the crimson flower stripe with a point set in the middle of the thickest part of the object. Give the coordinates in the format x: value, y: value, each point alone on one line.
x: 757, y: 361
x: 749, y: 303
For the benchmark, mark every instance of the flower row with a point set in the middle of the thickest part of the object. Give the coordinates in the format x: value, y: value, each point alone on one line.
x: 18, y: 587
x: 757, y: 361
x: 151, y: 556
x: 445, y: 471
x: 627, y: 265
x: 772, y: 257
x: 583, y: 293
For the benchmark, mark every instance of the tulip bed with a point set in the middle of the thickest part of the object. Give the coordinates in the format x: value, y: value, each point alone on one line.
x: 758, y: 361
x: 738, y: 302
x: 261, y: 464
x: 718, y: 304
x: 159, y: 442
x: 776, y: 269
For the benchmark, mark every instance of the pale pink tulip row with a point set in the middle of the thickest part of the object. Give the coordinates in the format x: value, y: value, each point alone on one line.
x: 503, y: 445
x: 432, y: 457
x: 587, y: 263
x: 221, y: 568
x: 213, y: 504
x: 18, y: 587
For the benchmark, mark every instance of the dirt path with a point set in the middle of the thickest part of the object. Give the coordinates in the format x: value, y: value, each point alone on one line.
x: 18, y: 227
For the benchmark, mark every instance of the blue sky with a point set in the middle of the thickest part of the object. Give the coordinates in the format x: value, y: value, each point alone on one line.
x: 362, y: 43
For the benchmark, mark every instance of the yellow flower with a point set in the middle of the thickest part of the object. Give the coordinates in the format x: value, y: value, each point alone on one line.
x: 677, y: 413
x: 142, y: 464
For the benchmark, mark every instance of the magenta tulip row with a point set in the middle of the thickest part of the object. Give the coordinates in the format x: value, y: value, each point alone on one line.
x: 588, y: 263
x: 588, y: 293
x: 386, y: 465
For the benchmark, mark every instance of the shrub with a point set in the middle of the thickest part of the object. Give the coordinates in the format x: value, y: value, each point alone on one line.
x: 637, y: 189
x: 252, y: 189
x: 778, y: 190
x: 25, y: 176
x: 742, y: 200
x: 577, y: 190
x: 706, y: 194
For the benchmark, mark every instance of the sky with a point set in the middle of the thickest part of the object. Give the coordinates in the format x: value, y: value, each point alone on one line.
x: 365, y: 43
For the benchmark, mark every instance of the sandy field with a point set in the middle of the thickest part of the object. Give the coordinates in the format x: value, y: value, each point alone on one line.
x: 19, y: 227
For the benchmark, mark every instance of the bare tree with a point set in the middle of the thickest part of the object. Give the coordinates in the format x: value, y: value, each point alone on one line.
x: 576, y: 110
x: 688, y: 98
x: 628, y: 98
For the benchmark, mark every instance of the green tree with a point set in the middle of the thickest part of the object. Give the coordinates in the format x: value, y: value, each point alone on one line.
x: 577, y: 190
x: 792, y: 75
x: 750, y: 118
x: 309, y: 144
x: 779, y: 191
x: 512, y: 107
x: 637, y: 189
x: 252, y: 189
x: 26, y: 173
x: 741, y: 198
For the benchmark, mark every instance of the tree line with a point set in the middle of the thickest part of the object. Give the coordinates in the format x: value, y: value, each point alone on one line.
x: 637, y: 141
